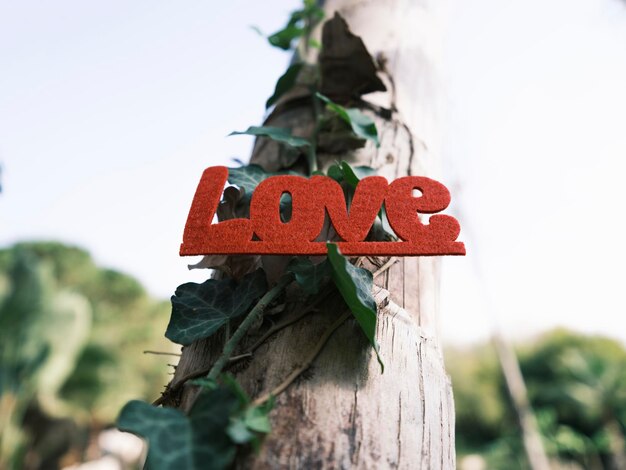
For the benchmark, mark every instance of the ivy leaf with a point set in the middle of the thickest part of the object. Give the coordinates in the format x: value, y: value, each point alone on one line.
x: 310, y: 277
x: 300, y: 23
x: 283, y: 38
x: 247, y: 426
x: 279, y: 134
x: 250, y: 420
x: 199, y: 310
x: 177, y: 441
x: 362, y: 125
x: 285, y: 83
x: 355, y: 286
x: 342, y: 171
x: 239, y: 432
x: 352, y: 176
x: 358, y: 172
x: 257, y: 420
x: 250, y: 176
x: 247, y: 177
x: 334, y: 172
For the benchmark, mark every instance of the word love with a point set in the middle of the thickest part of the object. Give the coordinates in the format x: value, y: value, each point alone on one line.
x: 311, y: 199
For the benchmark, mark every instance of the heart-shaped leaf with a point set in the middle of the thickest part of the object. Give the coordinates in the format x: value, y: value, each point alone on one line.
x: 355, y: 286
x: 300, y: 23
x: 283, y: 38
x: 176, y: 441
x: 199, y: 310
x: 247, y: 177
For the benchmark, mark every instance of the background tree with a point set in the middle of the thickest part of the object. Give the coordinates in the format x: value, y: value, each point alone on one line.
x: 72, y: 337
x: 575, y: 384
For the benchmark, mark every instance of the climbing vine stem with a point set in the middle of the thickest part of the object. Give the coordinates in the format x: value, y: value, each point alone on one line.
x: 245, y: 325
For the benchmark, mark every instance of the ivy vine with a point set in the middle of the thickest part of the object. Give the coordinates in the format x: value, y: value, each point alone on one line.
x: 222, y: 416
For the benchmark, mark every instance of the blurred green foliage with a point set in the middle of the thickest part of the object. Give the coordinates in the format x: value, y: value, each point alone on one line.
x: 576, y: 384
x: 72, y: 337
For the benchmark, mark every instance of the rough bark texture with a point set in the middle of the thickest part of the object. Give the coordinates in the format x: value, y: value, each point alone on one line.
x: 343, y: 413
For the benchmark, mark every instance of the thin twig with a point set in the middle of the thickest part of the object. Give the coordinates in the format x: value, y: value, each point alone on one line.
x: 245, y: 355
x: 171, y: 389
x: 307, y: 363
x: 162, y: 353
x: 385, y: 267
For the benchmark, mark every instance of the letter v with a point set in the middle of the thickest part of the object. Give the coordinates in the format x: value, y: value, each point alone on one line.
x: 367, y: 201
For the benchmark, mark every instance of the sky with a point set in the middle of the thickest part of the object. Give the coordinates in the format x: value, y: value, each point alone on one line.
x: 109, y: 112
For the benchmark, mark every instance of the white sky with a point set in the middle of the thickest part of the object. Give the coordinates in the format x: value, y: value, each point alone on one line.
x: 109, y: 112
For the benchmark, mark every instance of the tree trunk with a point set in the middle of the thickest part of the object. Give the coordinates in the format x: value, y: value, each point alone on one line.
x: 343, y: 413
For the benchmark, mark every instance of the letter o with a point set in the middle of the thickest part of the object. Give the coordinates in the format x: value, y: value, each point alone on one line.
x: 307, y: 215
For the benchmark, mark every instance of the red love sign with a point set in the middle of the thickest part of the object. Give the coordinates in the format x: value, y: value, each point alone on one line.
x: 312, y: 198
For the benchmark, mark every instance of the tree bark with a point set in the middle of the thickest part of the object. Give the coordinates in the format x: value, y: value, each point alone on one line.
x: 343, y: 413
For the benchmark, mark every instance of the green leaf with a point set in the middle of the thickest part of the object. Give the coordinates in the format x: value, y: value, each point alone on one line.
x: 342, y: 171
x: 167, y: 430
x: 352, y: 176
x: 334, y: 172
x: 310, y: 277
x: 257, y: 420
x: 239, y: 432
x: 199, y: 310
x: 300, y: 23
x: 176, y: 441
x: 355, y: 286
x: 250, y: 420
x: 278, y: 134
x: 283, y: 38
x: 362, y: 125
x: 248, y: 177
x: 285, y: 83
